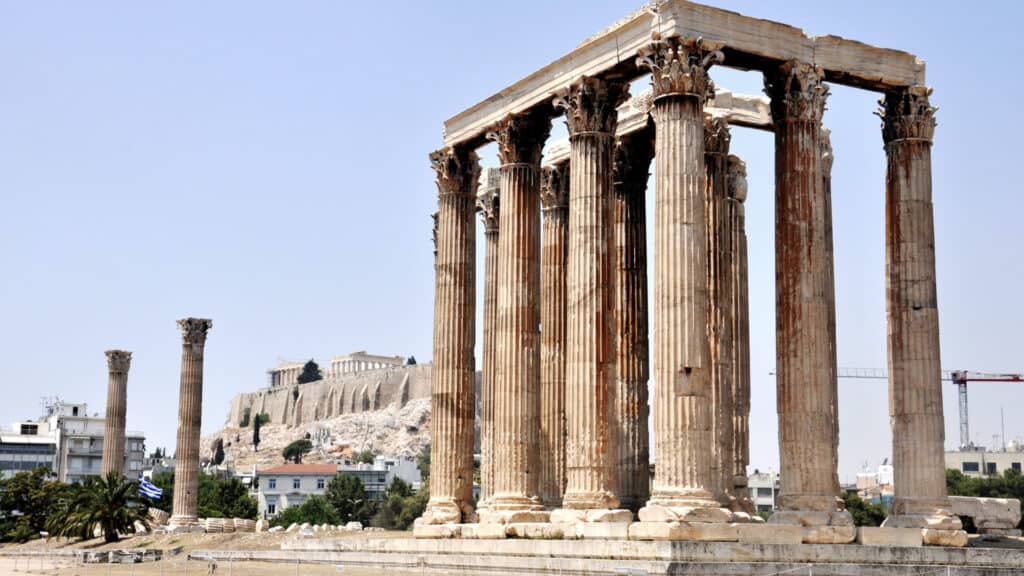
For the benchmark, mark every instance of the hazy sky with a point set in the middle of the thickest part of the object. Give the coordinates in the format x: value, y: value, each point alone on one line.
x: 265, y: 165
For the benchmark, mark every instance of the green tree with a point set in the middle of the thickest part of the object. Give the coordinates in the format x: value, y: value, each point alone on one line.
x: 27, y: 499
x: 224, y: 498
x: 423, y: 463
x: 165, y: 481
x: 111, y: 503
x: 864, y: 513
x: 315, y: 510
x: 410, y: 361
x: 296, y: 450
x: 400, y: 506
x: 218, y: 452
x: 365, y: 457
x: 348, y: 496
x: 256, y: 424
x: 310, y: 373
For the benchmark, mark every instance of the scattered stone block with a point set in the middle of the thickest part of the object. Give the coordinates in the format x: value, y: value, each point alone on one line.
x: 354, y: 526
x: 537, y: 530
x: 262, y: 525
x: 435, y: 531
x: 830, y: 534
x: 957, y: 538
x: 874, y: 536
x: 603, y: 530
x: 770, y: 533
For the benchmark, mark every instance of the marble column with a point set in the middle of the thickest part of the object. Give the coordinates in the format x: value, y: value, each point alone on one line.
x: 554, y: 197
x: 682, y: 371
x: 488, y: 204
x: 915, y: 386
x: 825, y: 147
x: 591, y: 117
x: 740, y: 320
x: 719, y: 281
x: 118, y: 362
x: 633, y: 155
x: 190, y: 418
x: 453, y: 384
x: 520, y: 139
x: 804, y: 306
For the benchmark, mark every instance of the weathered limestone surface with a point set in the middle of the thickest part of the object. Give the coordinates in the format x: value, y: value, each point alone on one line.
x: 590, y: 105
x: 806, y: 381
x: 554, y: 262
x: 987, y: 513
x: 872, y: 536
x: 682, y: 402
x: 633, y: 155
x: 118, y: 362
x: 516, y: 431
x: 190, y: 418
x: 453, y: 387
x: 740, y: 321
x: 488, y: 202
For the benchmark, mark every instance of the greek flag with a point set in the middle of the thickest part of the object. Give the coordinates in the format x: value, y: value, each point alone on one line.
x: 146, y: 488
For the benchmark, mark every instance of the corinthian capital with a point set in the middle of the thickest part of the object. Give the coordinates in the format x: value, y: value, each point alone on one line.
x: 118, y: 360
x: 737, y: 178
x: 680, y: 65
x: 797, y: 91
x: 521, y: 137
x: 633, y: 154
x: 907, y: 114
x: 488, y: 205
x: 716, y: 135
x: 193, y: 330
x: 458, y: 171
x: 554, y: 186
x: 591, y: 105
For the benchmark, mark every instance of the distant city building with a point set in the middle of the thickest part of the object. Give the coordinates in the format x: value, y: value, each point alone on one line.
x: 980, y: 463
x: 68, y: 441
x: 286, y: 373
x: 875, y: 485
x: 764, y: 488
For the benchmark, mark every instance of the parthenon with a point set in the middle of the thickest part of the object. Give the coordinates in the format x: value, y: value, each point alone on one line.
x: 567, y: 328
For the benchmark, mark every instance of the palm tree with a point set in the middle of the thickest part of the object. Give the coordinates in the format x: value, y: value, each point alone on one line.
x: 112, y: 503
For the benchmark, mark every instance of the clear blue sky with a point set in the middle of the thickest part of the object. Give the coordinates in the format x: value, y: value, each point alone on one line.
x: 265, y: 165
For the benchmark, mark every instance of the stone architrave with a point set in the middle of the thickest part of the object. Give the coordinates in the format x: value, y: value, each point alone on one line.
x: 554, y: 197
x: 190, y: 418
x: 682, y: 400
x: 453, y: 382
x: 740, y: 320
x: 720, y: 294
x: 489, y: 206
x: 118, y: 362
x: 633, y: 155
x: 516, y: 427
x: 915, y: 385
x: 806, y: 385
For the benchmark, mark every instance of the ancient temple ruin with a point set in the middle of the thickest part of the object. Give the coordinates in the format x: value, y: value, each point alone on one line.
x: 565, y: 309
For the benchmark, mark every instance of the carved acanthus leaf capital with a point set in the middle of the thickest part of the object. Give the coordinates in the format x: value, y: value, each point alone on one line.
x: 118, y: 360
x: 716, y: 135
x: 825, y: 146
x: 458, y: 171
x: 633, y: 154
x: 487, y: 203
x: 907, y: 114
x: 591, y: 104
x: 797, y: 91
x: 193, y: 330
x: 520, y: 137
x: 679, y: 66
x: 737, y: 178
x: 554, y: 186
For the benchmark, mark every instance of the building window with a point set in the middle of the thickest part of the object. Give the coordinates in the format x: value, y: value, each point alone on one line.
x: 271, y: 509
x: 272, y: 483
x: 970, y: 467
x: 296, y: 483
x: 990, y: 467
x: 134, y: 466
x: 319, y: 483
x: 1015, y: 466
x: 29, y: 429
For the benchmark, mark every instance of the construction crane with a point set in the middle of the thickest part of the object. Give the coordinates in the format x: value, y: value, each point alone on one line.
x: 958, y: 377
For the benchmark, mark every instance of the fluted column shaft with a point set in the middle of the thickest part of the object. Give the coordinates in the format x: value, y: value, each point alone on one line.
x: 915, y: 389
x: 453, y: 382
x: 805, y: 380
x: 633, y: 156
x: 118, y: 362
x: 190, y: 419
x: 554, y: 261
x: 740, y: 320
x: 488, y: 203
x: 517, y: 389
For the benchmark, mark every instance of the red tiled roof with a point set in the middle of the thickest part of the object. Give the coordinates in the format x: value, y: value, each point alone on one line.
x: 302, y: 469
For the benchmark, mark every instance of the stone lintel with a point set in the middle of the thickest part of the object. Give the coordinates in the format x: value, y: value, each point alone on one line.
x: 749, y: 43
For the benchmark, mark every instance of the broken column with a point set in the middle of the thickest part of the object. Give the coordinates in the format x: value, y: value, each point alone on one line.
x: 488, y: 204
x: 453, y: 383
x: 554, y: 196
x: 190, y: 418
x: 633, y: 154
x: 809, y: 494
x: 915, y: 378
x: 118, y: 362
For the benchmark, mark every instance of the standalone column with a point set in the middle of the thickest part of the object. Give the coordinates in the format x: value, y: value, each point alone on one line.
x: 487, y: 203
x: 190, y: 419
x: 720, y: 330
x: 118, y: 362
x: 633, y: 154
x: 915, y: 388
x: 554, y: 259
x: 590, y: 114
x: 453, y: 383
x: 806, y: 382
x: 682, y: 400
x: 516, y: 497
x: 740, y: 320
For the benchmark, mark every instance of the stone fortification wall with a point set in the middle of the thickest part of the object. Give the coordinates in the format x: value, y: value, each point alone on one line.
x: 336, y: 396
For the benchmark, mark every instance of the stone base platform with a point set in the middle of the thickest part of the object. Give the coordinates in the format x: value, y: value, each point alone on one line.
x: 607, y: 557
